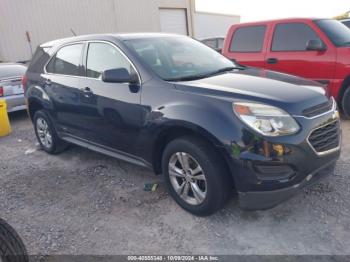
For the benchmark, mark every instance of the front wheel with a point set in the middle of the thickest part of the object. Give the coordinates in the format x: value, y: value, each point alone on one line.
x: 346, y: 103
x: 195, y: 176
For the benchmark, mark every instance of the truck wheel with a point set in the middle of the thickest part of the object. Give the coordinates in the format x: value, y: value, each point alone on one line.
x: 195, y: 176
x: 12, y: 248
x: 346, y: 103
x: 46, y: 134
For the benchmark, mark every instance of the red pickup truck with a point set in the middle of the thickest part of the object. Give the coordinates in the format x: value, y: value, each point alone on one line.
x: 317, y: 49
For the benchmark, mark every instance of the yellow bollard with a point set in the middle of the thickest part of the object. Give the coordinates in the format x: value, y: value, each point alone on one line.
x: 5, y: 127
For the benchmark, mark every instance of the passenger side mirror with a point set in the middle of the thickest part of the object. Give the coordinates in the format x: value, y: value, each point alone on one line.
x: 315, y: 45
x: 118, y: 75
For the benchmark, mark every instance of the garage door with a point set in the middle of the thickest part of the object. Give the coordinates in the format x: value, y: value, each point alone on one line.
x: 173, y: 21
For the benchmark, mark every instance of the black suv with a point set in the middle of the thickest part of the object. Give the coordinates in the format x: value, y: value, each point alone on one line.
x: 174, y: 105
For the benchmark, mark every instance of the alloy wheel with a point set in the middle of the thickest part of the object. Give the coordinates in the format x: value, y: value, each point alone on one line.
x: 187, y: 178
x: 44, y: 133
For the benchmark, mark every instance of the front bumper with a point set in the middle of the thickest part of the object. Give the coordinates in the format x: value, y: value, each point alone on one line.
x: 15, y: 103
x: 268, y: 171
x: 261, y: 200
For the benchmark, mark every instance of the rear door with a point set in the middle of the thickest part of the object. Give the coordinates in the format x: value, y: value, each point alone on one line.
x: 287, y: 52
x: 247, y: 45
x: 61, y: 82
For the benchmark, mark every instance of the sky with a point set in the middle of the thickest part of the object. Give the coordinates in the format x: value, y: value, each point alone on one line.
x: 255, y: 10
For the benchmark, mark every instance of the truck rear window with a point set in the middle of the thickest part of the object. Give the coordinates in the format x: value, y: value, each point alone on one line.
x: 248, y: 39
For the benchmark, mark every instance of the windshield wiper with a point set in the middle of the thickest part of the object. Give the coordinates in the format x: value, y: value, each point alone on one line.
x: 187, y: 78
x: 223, y: 70
x: 200, y: 76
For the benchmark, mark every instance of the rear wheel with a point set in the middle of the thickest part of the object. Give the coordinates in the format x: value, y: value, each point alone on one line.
x: 195, y: 176
x: 46, y: 134
x: 346, y: 103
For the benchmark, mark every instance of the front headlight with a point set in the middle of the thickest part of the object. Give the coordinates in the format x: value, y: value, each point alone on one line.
x: 265, y: 119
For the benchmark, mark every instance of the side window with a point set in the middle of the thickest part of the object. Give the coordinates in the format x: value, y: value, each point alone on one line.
x: 66, y: 61
x: 103, y: 56
x: 292, y: 37
x: 347, y: 23
x: 248, y: 39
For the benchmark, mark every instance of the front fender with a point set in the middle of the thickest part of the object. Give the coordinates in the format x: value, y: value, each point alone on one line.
x: 213, y: 120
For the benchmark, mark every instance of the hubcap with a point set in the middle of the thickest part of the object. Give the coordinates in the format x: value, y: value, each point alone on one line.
x: 187, y: 178
x: 44, y: 132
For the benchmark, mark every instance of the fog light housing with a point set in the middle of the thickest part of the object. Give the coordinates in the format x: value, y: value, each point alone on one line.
x: 274, y: 172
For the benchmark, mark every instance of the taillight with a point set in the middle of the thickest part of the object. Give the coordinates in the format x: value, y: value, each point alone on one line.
x: 1, y: 91
x: 24, y: 82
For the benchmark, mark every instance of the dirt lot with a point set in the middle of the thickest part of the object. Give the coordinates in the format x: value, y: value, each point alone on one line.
x: 82, y: 202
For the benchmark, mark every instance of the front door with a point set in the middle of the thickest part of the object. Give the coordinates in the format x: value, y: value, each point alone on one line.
x: 115, y: 117
x: 287, y: 53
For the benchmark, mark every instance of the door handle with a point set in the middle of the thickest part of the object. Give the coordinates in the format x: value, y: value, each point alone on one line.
x: 48, y: 82
x: 272, y: 60
x: 86, y: 91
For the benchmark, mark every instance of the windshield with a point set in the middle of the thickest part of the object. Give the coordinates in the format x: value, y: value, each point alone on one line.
x: 179, y: 58
x: 337, y: 32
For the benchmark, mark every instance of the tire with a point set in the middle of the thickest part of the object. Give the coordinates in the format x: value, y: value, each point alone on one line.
x: 12, y: 248
x: 47, y: 135
x: 346, y: 103
x: 213, y: 184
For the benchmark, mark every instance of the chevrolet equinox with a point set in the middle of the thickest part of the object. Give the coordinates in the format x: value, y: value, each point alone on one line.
x: 172, y: 104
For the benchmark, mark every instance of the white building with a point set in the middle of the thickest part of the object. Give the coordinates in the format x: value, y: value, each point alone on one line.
x: 44, y: 20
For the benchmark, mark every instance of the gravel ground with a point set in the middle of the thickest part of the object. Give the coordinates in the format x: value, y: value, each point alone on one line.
x: 82, y: 202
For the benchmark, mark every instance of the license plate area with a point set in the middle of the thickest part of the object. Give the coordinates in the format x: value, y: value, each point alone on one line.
x: 10, y: 90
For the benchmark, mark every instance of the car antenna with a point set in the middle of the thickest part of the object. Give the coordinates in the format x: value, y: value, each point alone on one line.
x: 73, y: 32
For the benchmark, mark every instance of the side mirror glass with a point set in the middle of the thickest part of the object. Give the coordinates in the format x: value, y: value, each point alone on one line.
x: 315, y: 45
x: 118, y: 75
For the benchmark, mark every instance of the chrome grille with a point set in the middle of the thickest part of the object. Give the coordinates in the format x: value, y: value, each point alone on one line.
x: 319, y: 109
x: 326, y: 137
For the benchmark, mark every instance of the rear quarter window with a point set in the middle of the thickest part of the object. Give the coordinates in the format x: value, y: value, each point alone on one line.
x: 39, y: 60
x: 248, y: 39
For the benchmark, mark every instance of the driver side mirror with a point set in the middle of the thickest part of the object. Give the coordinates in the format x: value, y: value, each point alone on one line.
x: 315, y: 45
x: 119, y: 75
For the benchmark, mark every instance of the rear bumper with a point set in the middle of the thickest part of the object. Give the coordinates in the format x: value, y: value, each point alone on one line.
x: 15, y: 103
x: 261, y: 200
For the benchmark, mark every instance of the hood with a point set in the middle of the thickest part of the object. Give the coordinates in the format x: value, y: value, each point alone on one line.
x: 291, y: 93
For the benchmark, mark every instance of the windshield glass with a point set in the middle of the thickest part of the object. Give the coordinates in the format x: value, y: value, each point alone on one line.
x: 179, y: 58
x: 337, y: 32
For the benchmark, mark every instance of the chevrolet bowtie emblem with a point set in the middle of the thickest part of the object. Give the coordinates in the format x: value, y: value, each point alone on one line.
x: 336, y: 114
